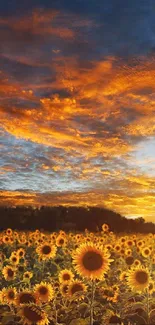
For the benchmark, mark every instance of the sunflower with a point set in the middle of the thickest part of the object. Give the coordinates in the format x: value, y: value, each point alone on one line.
x: 123, y: 276
x: 130, y: 243
x: 64, y: 289
x: 151, y: 287
x: 25, y: 297
x: 14, y: 259
x: 117, y: 248
x: 105, y: 227
x: 91, y: 262
x: 8, y: 295
x: 61, y: 241
x: 65, y: 276
x: 128, y: 252
x: 146, y: 251
x: 138, y: 278
x: 109, y: 294
x: 8, y: 273
x: 137, y: 262
x: 108, y: 246
x: 22, y: 240
x: 33, y: 314
x: 46, y: 251
x: 21, y: 252
x: 44, y: 291
x: 123, y: 239
x: 6, y: 240
x: 76, y: 288
x: 140, y: 243
x: 27, y: 276
x: 9, y: 231
x: 62, y: 233
x: 78, y: 237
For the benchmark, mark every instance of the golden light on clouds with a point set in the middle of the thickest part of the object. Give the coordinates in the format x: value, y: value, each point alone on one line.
x: 72, y: 131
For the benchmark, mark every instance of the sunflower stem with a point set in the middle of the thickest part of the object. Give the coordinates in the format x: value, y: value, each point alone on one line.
x: 148, y: 308
x: 92, y: 301
x: 56, y: 314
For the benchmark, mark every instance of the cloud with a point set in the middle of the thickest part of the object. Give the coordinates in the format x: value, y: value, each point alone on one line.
x: 75, y: 108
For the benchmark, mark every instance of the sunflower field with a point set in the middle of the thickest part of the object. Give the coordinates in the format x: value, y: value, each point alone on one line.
x: 72, y: 278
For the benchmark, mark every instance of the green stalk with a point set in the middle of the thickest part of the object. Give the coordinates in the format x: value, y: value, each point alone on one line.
x: 92, y: 302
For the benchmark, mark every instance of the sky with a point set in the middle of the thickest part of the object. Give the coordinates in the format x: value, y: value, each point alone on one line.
x: 77, y: 104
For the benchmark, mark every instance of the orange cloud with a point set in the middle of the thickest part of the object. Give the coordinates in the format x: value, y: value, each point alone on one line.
x: 97, y: 111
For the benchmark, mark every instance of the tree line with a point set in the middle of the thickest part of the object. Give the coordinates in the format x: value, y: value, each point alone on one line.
x: 70, y: 219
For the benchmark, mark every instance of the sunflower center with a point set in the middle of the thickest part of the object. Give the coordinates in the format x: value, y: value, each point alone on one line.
x: 32, y: 315
x: 141, y: 277
x: 11, y: 295
x: 46, y: 249
x: 26, y: 298
x: 129, y: 260
x: 61, y: 241
x: 43, y: 290
x: 26, y: 275
x: 66, y: 276
x: 14, y: 259
x: 76, y: 287
x: 10, y: 273
x: 92, y: 261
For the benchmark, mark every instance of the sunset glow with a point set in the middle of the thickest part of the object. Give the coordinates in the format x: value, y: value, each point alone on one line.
x: 77, y: 106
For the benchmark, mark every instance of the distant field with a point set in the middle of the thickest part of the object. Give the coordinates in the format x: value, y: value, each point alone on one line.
x: 76, y: 278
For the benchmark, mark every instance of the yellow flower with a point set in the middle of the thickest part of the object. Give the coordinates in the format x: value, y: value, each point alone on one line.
x: 8, y: 273
x: 146, y: 252
x: 14, y: 259
x: 25, y: 297
x: 9, y: 231
x: 44, y: 291
x: 151, y: 287
x: 76, y: 289
x: 61, y: 241
x: 6, y: 240
x: 137, y: 262
x: 33, y: 314
x: 109, y: 294
x: 123, y: 276
x: 91, y: 262
x: 105, y: 227
x: 21, y: 252
x: 64, y: 289
x: 138, y: 278
x: 65, y: 275
x: 46, y: 251
x: 27, y: 276
x: 8, y: 295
